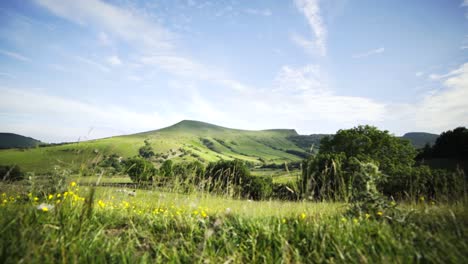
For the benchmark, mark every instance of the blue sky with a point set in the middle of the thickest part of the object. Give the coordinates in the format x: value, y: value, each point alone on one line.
x: 91, y: 68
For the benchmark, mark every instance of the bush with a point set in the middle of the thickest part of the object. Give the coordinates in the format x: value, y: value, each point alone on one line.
x: 227, y: 176
x: 140, y: 170
x: 166, y: 169
x: 146, y: 151
x: 258, y: 187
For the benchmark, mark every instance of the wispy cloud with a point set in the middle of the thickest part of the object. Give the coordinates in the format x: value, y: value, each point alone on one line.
x: 445, y: 108
x: 114, y: 60
x: 73, y: 118
x: 15, y: 55
x: 121, y: 22
x: 92, y: 63
x: 419, y: 74
x: 449, y: 74
x: 369, y: 53
x: 465, y: 4
x: 258, y: 12
x: 311, y: 10
x: 6, y: 74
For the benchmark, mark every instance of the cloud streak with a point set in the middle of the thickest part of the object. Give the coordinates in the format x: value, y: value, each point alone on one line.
x: 311, y: 10
x: 15, y: 55
x: 368, y: 53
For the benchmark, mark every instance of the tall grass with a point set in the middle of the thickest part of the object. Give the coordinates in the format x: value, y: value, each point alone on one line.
x: 91, y: 226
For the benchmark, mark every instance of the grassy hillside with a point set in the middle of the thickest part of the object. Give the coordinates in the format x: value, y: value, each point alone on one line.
x: 10, y: 140
x: 419, y: 139
x: 184, y: 141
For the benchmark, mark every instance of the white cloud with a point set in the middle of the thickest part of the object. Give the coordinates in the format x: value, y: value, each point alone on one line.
x: 308, y: 46
x: 92, y: 63
x: 114, y: 60
x: 58, y: 118
x: 309, y: 78
x: 419, y: 74
x: 121, y: 22
x: 311, y: 10
x: 104, y: 40
x: 449, y: 74
x: 15, y: 55
x: 258, y: 12
x: 441, y: 109
x: 368, y: 53
x: 187, y: 68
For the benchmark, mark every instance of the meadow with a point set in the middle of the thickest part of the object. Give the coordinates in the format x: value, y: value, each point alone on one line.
x: 106, y: 224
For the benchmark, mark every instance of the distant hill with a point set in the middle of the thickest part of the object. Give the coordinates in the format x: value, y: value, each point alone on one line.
x: 187, y: 140
x: 10, y: 140
x: 419, y: 139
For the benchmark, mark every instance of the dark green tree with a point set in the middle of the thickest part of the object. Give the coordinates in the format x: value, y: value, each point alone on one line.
x: 146, y: 151
x: 369, y: 144
x: 166, y: 169
x: 140, y: 170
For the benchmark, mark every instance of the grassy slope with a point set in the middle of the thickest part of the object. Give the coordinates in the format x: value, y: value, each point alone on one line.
x: 269, y: 145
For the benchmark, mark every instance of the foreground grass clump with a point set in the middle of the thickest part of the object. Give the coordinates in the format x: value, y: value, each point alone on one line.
x: 109, y: 226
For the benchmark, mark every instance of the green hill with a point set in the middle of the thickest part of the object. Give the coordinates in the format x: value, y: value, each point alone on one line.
x: 185, y: 141
x: 419, y: 139
x: 10, y: 140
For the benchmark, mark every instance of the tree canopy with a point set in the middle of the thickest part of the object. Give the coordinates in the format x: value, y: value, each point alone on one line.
x: 369, y: 144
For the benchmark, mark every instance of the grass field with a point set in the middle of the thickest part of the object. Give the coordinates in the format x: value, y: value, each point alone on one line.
x: 109, y: 225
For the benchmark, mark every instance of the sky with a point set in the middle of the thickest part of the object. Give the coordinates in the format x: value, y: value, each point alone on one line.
x: 77, y: 70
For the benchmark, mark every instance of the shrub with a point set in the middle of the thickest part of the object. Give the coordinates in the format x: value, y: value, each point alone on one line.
x: 140, y: 170
x: 146, y: 151
x: 258, y: 187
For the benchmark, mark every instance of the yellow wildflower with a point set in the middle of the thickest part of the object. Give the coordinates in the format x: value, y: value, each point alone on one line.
x: 45, y: 209
x: 379, y: 213
x: 203, y: 214
x: 101, y: 204
x: 303, y: 215
x: 51, y: 196
x: 355, y: 220
x: 284, y: 221
x: 343, y: 220
x: 73, y: 184
x: 367, y: 216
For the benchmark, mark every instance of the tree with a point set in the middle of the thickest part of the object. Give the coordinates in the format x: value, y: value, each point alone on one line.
x: 146, y: 151
x: 452, y: 144
x: 166, y: 169
x: 369, y: 144
x: 332, y: 173
x: 140, y: 170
